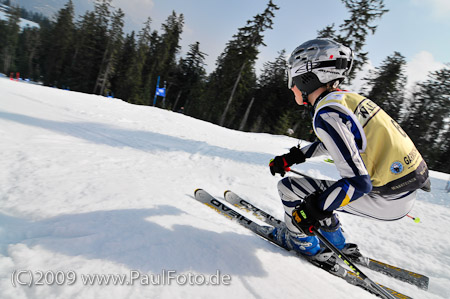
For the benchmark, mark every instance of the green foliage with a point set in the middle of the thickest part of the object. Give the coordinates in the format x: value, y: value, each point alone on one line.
x: 161, y: 54
x: 189, y: 82
x: 57, y: 48
x: 234, y: 79
x: 123, y: 79
x: 273, y: 98
x: 353, y: 32
x: 440, y: 160
x: 110, y: 55
x: 27, y: 52
x: 428, y: 122
x: 387, y: 84
x: 9, y: 37
x: 91, y: 54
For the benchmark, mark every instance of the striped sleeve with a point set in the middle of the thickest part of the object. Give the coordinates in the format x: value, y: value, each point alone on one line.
x: 314, y: 149
x: 342, y: 139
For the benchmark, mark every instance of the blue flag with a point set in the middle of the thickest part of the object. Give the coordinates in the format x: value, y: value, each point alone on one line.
x: 161, y: 92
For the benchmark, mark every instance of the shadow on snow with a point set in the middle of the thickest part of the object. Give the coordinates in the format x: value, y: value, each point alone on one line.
x: 128, y: 237
x: 141, y: 140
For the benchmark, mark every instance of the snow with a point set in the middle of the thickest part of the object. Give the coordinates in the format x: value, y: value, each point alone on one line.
x: 91, y: 185
x: 23, y: 23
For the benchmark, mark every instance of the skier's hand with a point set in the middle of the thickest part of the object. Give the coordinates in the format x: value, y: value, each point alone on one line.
x: 281, y: 164
x: 307, y: 215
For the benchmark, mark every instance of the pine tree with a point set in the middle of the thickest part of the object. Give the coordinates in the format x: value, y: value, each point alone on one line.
x: 3, y: 37
x: 91, y: 41
x: 115, y: 39
x: 275, y: 110
x: 284, y: 123
x: 136, y: 71
x: 354, y: 30
x: 123, y: 79
x: 10, y: 37
x: 161, y: 57
x: 441, y: 161
x: 27, y: 53
x: 230, y: 86
x: 428, y: 120
x: 57, y: 48
x: 189, y: 80
x: 82, y: 68
x: 327, y: 32
x: 387, y: 84
x: 241, y: 52
x: 271, y: 89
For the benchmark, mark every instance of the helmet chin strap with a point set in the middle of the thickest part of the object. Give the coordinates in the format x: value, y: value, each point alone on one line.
x: 333, y: 84
x: 305, y: 98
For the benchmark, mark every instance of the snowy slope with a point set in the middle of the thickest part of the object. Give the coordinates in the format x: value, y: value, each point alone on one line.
x: 23, y: 23
x: 90, y: 185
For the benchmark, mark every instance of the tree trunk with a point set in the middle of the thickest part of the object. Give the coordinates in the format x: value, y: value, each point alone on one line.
x: 244, y: 120
x: 105, y: 61
x: 176, y: 100
x: 224, y: 114
x: 105, y: 77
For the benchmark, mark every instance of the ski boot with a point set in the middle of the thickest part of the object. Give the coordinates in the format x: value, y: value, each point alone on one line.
x: 301, y: 243
x: 331, y: 229
x: 309, y: 247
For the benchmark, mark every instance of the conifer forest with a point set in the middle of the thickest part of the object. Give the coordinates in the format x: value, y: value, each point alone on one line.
x: 92, y: 54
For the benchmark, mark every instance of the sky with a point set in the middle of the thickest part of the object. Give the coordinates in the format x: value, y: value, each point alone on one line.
x: 415, y: 28
x: 418, y: 29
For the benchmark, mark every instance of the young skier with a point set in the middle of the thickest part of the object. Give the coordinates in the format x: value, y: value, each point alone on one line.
x: 380, y: 167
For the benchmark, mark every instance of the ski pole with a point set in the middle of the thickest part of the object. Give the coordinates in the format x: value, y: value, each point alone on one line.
x: 382, y: 292
x: 299, y: 173
x: 416, y: 219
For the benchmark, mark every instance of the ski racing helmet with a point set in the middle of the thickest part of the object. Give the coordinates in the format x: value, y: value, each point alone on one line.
x: 317, y: 62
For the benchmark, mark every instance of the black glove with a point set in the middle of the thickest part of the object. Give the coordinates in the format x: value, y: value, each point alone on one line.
x: 307, y: 215
x: 281, y: 164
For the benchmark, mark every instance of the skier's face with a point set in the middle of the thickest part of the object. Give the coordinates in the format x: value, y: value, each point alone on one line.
x: 298, y: 95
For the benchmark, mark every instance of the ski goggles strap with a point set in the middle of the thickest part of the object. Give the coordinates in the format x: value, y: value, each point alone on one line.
x: 339, y: 63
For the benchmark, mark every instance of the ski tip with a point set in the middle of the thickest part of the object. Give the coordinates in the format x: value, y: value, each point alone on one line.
x: 196, y: 190
x: 226, y: 191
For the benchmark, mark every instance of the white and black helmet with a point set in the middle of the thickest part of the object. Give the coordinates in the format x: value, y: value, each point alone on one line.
x: 317, y: 62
